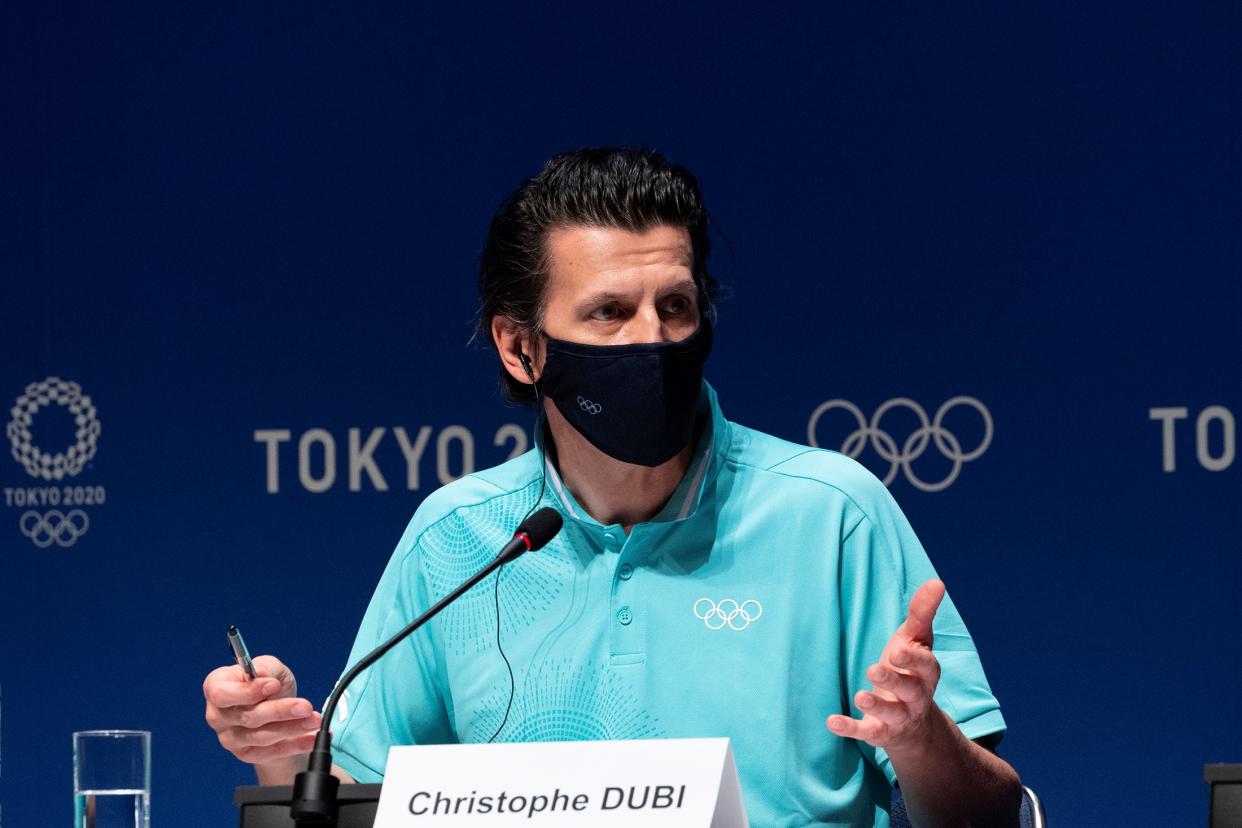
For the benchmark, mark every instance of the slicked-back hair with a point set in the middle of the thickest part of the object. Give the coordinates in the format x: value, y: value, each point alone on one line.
x: 629, y: 189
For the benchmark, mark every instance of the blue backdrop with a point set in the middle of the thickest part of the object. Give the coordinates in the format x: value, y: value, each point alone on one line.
x: 235, y: 226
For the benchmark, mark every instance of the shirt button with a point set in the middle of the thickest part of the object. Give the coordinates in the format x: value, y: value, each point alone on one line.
x: 626, y: 572
x: 624, y: 615
x: 609, y: 539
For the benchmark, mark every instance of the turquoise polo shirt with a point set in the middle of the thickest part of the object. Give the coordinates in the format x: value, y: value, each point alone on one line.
x: 749, y: 607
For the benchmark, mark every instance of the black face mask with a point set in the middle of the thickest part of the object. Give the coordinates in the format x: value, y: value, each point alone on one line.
x: 636, y: 403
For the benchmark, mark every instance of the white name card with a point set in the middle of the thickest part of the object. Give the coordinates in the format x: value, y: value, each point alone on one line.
x: 688, y: 783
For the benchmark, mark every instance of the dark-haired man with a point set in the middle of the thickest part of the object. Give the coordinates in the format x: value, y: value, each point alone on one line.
x: 710, y: 580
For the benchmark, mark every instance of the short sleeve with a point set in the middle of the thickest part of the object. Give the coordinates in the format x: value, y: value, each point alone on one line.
x: 398, y: 700
x: 882, y: 564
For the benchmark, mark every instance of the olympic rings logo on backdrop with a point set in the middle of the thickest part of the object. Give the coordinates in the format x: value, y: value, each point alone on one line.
x: 54, y: 527
x: 37, y: 462
x: 589, y: 407
x: 915, y: 445
x: 55, y: 513
x: 727, y: 613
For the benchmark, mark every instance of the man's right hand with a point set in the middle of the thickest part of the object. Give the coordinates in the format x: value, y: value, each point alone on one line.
x: 262, y: 722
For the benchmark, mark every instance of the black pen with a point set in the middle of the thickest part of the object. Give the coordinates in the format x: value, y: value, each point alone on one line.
x: 241, y: 653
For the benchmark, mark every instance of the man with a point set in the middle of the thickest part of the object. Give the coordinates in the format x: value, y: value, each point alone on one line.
x: 710, y: 580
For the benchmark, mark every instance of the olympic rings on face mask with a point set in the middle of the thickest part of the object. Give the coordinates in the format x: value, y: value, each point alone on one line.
x: 588, y: 406
x: 727, y: 613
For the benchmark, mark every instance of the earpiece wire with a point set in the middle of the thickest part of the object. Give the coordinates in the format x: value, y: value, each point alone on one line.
x: 543, y: 481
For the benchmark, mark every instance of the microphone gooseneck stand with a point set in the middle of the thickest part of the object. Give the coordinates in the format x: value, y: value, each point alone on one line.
x: 314, y: 789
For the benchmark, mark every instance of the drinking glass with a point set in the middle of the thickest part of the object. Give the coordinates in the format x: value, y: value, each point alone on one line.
x: 112, y: 779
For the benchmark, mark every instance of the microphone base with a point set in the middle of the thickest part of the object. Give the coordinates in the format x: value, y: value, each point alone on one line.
x: 314, y: 798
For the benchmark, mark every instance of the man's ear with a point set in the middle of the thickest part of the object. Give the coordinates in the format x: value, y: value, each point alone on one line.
x: 514, y: 342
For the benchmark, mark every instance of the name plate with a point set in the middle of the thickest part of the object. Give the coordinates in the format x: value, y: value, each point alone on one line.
x: 689, y: 783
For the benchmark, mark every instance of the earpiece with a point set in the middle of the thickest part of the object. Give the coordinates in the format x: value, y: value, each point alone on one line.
x: 525, y: 360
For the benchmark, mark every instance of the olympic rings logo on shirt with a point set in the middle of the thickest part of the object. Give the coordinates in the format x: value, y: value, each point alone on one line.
x: 54, y: 527
x: 901, y: 457
x: 727, y: 613
x: 589, y: 407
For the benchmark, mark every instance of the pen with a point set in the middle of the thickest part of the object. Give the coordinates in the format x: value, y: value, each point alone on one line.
x: 241, y: 653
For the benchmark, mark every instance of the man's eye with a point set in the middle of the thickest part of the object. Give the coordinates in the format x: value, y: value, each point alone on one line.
x: 677, y: 305
x: 605, y: 313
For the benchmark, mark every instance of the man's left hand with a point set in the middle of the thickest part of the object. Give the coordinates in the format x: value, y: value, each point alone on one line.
x: 897, y: 712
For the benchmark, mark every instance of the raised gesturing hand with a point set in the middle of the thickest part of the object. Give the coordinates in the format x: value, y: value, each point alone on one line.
x: 897, y: 711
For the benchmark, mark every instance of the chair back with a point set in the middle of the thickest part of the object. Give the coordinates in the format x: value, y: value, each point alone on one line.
x: 1031, y: 815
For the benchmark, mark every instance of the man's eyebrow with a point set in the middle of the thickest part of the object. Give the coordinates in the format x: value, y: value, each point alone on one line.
x: 684, y: 286
x: 605, y: 296
x: 601, y: 298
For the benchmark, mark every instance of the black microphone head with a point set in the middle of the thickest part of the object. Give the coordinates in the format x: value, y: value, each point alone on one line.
x: 541, y: 527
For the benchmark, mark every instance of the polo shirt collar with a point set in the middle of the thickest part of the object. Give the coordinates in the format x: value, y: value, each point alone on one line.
x: 692, y: 493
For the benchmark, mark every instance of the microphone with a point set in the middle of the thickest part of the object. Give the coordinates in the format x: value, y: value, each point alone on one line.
x: 533, y: 534
x: 314, y: 789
